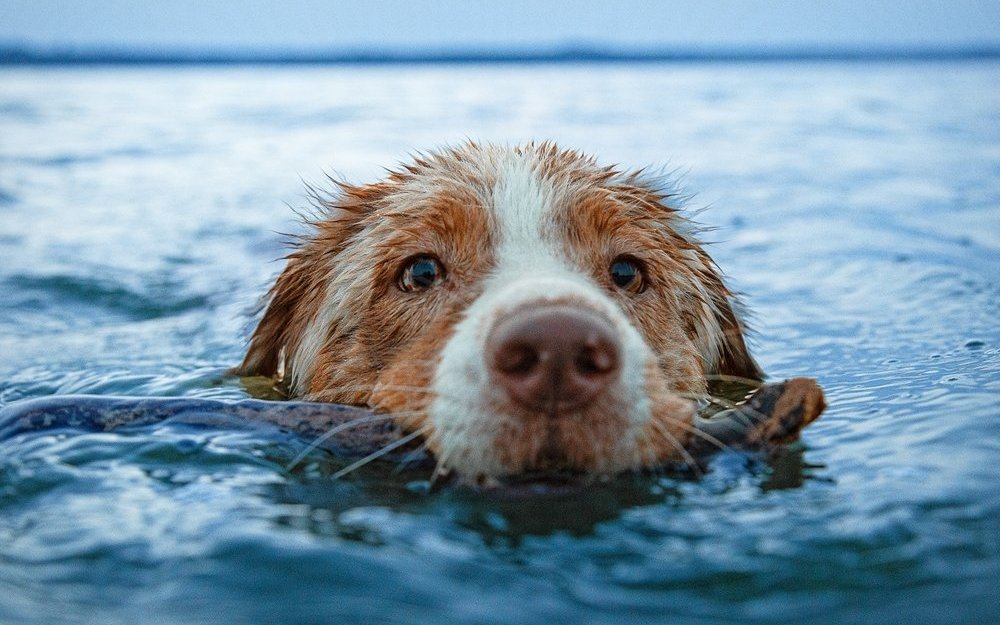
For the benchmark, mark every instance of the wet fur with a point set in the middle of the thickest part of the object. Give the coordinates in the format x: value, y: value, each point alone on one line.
x: 338, y: 329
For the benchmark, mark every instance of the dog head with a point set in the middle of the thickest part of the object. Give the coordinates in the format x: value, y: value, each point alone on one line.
x: 522, y: 307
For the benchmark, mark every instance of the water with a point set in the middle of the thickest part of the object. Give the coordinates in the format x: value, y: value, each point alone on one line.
x: 858, y: 206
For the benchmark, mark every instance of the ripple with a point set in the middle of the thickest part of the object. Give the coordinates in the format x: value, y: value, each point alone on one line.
x: 294, y: 117
x: 68, y: 159
x: 101, y: 296
x: 20, y: 110
x: 7, y: 198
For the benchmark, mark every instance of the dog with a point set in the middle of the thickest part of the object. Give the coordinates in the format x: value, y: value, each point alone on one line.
x: 523, y: 308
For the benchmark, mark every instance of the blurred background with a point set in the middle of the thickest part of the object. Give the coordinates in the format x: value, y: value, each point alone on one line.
x: 258, y: 28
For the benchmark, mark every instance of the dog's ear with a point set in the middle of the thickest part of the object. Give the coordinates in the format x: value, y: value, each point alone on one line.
x: 715, y: 314
x: 292, y: 303
x: 734, y: 358
x: 299, y: 292
x: 717, y: 317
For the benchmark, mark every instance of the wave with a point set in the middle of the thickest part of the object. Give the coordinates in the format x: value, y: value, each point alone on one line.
x: 79, y: 293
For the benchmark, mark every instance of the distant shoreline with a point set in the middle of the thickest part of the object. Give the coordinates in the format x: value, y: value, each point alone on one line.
x: 15, y: 55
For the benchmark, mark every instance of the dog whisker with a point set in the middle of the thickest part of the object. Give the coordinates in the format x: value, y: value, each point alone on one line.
x: 412, y: 456
x: 332, y: 395
x: 325, y: 436
x: 648, y: 459
x: 665, y: 434
x: 378, y: 454
x: 695, y: 431
x: 441, y: 467
x: 717, y: 400
x: 723, y: 377
x: 328, y: 394
x: 742, y: 413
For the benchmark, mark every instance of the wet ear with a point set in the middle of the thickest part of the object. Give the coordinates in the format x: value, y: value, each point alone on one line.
x: 299, y: 293
x: 734, y: 357
x: 724, y: 335
x: 293, y: 301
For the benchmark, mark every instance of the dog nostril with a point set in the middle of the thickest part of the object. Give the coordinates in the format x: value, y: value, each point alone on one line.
x: 515, y: 359
x: 596, y: 360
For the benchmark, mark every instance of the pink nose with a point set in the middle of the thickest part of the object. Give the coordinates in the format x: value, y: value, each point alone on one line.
x: 553, y: 358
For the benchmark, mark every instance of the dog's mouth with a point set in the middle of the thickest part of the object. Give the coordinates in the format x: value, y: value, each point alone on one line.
x: 553, y: 456
x: 568, y: 444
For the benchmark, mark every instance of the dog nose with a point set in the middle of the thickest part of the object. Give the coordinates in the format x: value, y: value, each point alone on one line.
x: 553, y: 358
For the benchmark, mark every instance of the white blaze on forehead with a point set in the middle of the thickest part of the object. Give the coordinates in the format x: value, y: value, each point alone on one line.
x: 523, y: 209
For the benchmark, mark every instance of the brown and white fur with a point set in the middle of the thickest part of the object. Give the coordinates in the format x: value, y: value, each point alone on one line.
x: 526, y: 241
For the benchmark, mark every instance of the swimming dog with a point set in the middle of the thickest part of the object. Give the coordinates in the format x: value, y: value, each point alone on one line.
x: 522, y: 308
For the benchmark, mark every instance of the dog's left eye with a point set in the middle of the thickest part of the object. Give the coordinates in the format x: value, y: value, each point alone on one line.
x: 626, y: 273
x: 422, y: 272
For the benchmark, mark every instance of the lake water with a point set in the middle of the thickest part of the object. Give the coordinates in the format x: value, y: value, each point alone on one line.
x: 857, y: 205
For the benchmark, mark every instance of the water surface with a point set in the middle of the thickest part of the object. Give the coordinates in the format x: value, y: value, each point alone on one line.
x: 858, y: 206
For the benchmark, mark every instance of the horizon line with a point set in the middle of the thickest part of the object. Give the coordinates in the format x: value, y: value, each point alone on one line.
x: 18, y: 54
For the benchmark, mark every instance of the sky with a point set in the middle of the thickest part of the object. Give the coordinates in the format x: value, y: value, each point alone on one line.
x: 313, y: 25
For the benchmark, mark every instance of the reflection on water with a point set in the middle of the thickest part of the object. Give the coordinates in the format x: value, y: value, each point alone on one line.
x: 856, y: 205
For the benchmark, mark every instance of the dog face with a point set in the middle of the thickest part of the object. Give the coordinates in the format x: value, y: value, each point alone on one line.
x: 523, y: 308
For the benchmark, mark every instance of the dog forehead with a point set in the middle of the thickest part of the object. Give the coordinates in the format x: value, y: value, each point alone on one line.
x: 514, y: 197
x: 523, y: 204
x: 527, y: 203
x: 534, y: 255
x: 534, y: 201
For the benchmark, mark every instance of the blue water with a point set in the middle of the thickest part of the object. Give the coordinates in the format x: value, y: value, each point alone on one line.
x: 857, y: 205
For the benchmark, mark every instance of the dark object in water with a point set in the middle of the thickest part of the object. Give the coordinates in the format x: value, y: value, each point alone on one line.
x: 773, y: 415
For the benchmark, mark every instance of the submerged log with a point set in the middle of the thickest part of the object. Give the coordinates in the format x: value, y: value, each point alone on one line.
x: 772, y: 416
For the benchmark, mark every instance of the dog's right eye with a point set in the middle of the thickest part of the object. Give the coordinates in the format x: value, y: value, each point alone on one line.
x: 422, y: 272
x: 626, y: 273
